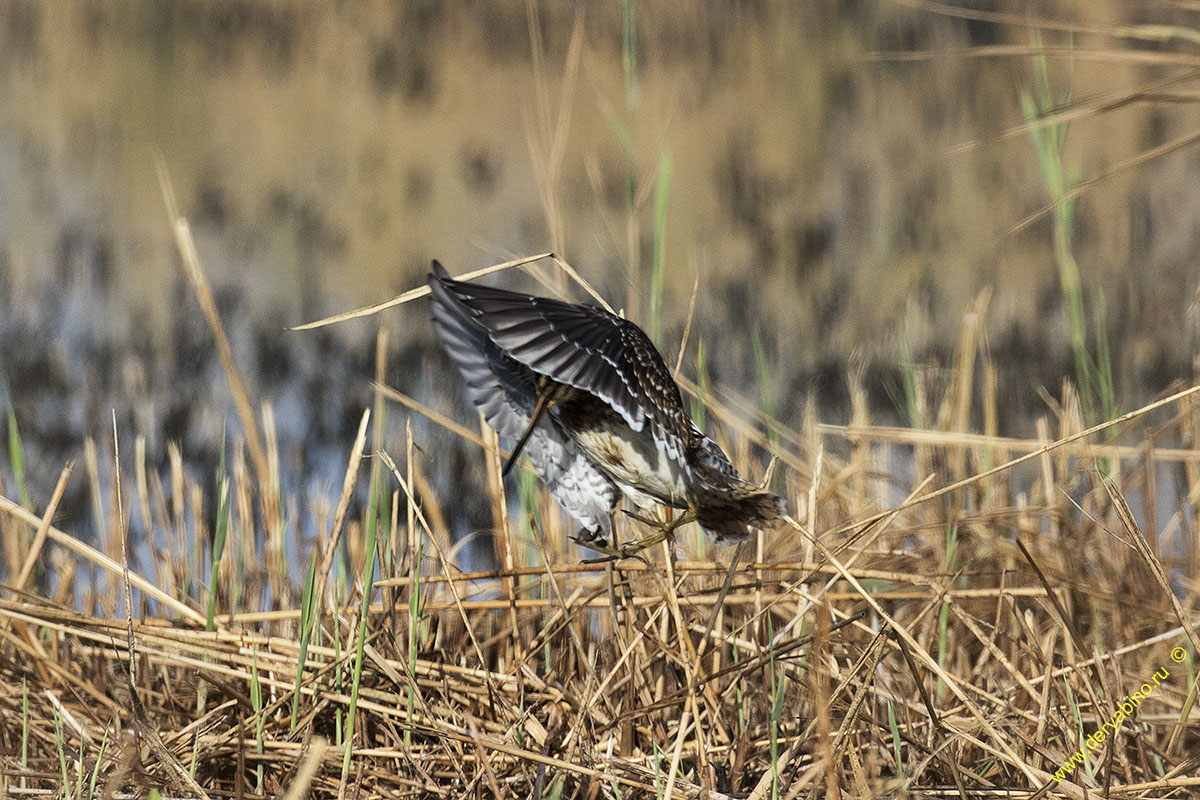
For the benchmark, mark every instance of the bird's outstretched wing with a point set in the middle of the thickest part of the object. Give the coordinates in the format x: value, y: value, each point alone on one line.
x: 504, y: 391
x: 584, y: 347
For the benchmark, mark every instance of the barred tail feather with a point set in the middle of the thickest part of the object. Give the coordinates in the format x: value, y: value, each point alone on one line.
x: 733, y: 515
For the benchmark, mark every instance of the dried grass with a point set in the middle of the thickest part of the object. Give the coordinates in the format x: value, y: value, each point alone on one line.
x: 964, y: 641
x: 937, y: 617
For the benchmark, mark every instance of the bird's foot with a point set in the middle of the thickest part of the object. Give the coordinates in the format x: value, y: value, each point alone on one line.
x: 665, y: 526
x: 632, y: 549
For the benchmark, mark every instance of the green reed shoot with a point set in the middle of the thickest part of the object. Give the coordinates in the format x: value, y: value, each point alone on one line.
x: 776, y: 707
x: 944, y: 614
x: 91, y: 792
x: 697, y: 402
x: 766, y: 394
x: 307, y: 614
x: 895, y: 729
x: 739, y: 690
x: 24, y: 728
x: 260, y: 719
x: 662, y: 197
x: 16, y: 456
x: 218, y: 548
x: 1077, y: 715
x: 659, y: 777
x: 414, y: 624
x: 367, y: 580
x: 79, y: 770
x: 61, y: 746
x: 1093, y: 375
x: 338, y: 682
x: 527, y: 496
x: 762, y: 370
x: 908, y: 377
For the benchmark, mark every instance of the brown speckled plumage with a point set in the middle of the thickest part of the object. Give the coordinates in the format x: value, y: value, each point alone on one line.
x: 606, y: 413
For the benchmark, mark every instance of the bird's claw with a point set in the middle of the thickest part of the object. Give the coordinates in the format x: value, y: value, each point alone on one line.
x: 651, y: 521
x: 633, y: 548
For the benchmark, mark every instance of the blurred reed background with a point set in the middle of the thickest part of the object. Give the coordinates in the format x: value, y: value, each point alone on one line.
x: 838, y: 182
x: 908, y: 242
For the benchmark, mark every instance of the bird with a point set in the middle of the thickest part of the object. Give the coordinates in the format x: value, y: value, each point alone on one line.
x: 587, y: 396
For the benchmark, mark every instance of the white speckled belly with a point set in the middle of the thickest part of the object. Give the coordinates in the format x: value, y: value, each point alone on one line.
x: 638, y: 463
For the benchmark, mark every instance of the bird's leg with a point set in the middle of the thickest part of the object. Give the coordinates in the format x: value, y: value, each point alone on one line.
x: 547, y: 397
x: 631, y: 548
x: 665, y: 529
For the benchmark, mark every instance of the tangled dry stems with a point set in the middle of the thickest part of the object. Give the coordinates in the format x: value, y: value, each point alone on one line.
x: 962, y: 635
x: 954, y: 645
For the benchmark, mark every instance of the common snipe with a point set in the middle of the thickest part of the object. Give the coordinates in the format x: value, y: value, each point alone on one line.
x: 588, y: 397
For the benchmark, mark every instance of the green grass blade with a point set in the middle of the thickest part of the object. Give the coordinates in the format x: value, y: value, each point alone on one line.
x: 260, y: 719
x: 24, y: 729
x: 662, y: 197
x: 368, y: 575
x: 633, y: 88
x: 414, y: 625
x: 776, y: 708
x: 91, y: 791
x: 218, y: 551
x: 16, y: 456
x: 307, y: 608
x: 895, y: 739
x: 762, y: 369
x: 908, y: 374
x: 61, y: 746
x: 698, y: 410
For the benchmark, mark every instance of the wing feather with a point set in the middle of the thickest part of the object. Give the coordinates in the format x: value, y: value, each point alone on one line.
x: 504, y: 391
x: 506, y: 344
x: 584, y: 347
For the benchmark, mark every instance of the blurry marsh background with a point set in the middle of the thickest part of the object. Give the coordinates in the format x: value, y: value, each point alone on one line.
x: 841, y: 182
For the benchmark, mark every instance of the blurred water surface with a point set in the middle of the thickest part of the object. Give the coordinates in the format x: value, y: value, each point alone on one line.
x: 807, y: 162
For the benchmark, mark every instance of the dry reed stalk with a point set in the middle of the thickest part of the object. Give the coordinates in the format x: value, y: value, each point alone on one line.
x: 274, y: 529
x: 503, y: 538
x: 947, y: 440
x: 199, y: 281
x: 14, y: 535
x: 742, y: 418
x: 547, y: 137
x: 43, y: 529
x: 330, y: 545
x: 859, y: 464
x: 1190, y: 425
x: 820, y: 671
x: 955, y: 413
x: 387, y: 548
x: 414, y: 294
x: 652, y: 679
x: 99, y: 559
